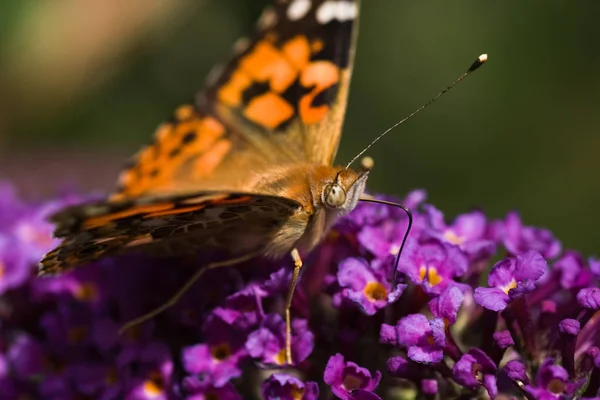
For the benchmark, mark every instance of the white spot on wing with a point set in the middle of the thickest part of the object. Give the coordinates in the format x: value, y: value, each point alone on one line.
x: 298, y: 9
x: 241, y: 45
x: 336, y: 9
x: 214, y: 74
x: 268, y: 19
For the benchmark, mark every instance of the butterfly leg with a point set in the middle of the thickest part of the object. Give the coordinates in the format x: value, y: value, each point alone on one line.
x: 288, y: 306
x: 173, y: 300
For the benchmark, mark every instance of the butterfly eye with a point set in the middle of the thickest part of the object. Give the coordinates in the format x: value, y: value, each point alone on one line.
x: 334, y: 195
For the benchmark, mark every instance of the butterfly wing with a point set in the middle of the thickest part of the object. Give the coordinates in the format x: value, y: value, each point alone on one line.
x: 170, y: 225
x: 280, y: 99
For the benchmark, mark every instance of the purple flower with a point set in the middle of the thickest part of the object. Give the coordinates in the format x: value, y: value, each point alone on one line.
x: 572, y: 270
x: 267, y: 344
x: 511, y: 278
x: 475, y: 369
x: 58, y: 336
x: 288, y: 387
x: 468, y: 231
x: 347, y: 379
x: 569, y: 326
x: 26, y: 358
x: 154, y: 376
x: 503, y: 339
x: 429, y: 386
x: 379, y: 228
x: 516, y: 371
x: 517, y: 238
x: 424, y: 339
x: 34, y: 231
x: 589, y: 298
x: 366, y: 287
x: 447, y: 304
x: 219, y: 358
x: 551, y: 381
x: 432, y: 265
x: 14, y: 267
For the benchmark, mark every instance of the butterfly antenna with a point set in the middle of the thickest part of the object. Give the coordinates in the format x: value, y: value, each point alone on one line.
x: 478, y: 63
x: 408, y: 228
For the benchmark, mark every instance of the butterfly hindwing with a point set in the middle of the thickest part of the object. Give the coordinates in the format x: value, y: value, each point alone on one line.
x: 280, y: 99
x: 168, y: 225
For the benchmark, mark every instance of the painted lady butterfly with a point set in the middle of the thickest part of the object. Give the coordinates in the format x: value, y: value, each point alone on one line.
x: 247, y: 170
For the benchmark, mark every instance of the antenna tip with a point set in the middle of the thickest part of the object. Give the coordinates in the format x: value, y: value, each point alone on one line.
x: 478, y: 63
x: 367, y: 163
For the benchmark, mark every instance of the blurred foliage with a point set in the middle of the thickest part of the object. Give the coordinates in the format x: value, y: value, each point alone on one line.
x: 87, y: 82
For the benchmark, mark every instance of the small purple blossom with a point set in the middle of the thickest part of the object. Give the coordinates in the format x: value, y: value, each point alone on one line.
x: 267, y: 344
x: 503, y: 339
x: 551, y: 380
x: 569, y: 326
x: 14, y: 267
x: 589, y: 298
x: 518, y: 238
x: 572, y: 270
x: 517, y: 371
x: 424, y: 339
x: 347, y: 378
x: 218, y: 359
x: 429, y: 386
x: 511, y: 278
x: 468, y: 231
x: 288, y: 387
x: 432, y: 265
x: 365, y: 286
x: 447, y: 304
x: 475, y: 368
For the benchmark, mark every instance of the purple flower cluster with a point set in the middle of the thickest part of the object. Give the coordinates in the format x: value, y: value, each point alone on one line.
x: 483, y: 309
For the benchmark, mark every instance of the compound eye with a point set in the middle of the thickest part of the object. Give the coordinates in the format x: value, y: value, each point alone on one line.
x: 335, y: 196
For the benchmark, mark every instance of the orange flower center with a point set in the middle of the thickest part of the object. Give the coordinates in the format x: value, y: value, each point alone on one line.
x: 375, y: 291
x: 430, y: 274
x: 221, y: 351
x: 279, y: 358
x: 2, y: 269
x: 556, y: 386
x: 351, y: 383
x: 87, y: 292
x: 154, y: 385
x: 511, y: 285
x: 476, y: 371
x: 453, y: 238
x: 76, y: 334
x: 297, y: 393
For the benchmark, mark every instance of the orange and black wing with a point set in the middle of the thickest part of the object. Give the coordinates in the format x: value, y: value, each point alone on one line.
x: 280, y: 99
x: 211, y: 223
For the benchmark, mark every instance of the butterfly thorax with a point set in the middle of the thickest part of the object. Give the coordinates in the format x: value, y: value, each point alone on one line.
x: 325, y: 194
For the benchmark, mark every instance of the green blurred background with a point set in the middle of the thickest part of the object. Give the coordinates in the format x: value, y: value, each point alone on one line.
x: 84, y: 83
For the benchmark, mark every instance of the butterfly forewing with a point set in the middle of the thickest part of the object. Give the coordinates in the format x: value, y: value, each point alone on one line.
x: 280, y: 99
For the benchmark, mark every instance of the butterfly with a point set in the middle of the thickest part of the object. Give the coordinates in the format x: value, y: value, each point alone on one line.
x: 245, y: 171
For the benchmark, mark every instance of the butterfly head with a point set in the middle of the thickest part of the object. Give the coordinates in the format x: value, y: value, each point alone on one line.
x: 343, y: 192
